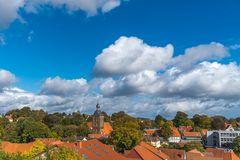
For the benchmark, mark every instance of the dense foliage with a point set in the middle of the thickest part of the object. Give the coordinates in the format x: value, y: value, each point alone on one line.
x: 62, y: 153
x: 126, y: 134
x: 29, y: 124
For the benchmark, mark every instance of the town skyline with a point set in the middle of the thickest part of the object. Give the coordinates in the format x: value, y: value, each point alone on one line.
x: 66, y: 56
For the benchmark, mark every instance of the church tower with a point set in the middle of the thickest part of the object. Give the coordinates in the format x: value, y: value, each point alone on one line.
x: 98, y: 120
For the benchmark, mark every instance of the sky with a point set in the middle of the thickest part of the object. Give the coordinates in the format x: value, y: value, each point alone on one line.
x: 138, y: 56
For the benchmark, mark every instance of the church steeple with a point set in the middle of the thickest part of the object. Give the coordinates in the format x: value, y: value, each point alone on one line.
x: 98, y: 120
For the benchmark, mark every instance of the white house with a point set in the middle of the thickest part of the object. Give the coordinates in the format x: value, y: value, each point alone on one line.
x: 176, y: 136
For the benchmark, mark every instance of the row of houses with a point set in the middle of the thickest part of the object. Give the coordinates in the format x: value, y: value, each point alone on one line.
x: 183, y: 134
x: 153, y: 136
x: 96, y: 150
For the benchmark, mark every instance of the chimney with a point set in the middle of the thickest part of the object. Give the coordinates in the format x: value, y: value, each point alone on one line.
x: 79, y: 145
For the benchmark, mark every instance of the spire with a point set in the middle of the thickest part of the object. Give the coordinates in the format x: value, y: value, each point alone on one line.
x: 98, y: 106
x: 98, y: 111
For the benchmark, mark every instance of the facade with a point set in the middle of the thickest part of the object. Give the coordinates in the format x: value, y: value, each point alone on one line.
x: 153, y: 140
x: 221, y: 138
x: 192, y: 136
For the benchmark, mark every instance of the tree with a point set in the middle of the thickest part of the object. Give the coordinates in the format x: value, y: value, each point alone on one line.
x: 28, y: 129
x: 145, y: 124
x: 188, y: 122
x: 236, y: 145
x: 63, y: 153
x: 166, y: 130
x: 202, y: 121
x: 70, y: 132
x: 25, y: 130
x: 194, y: 145
x: 218, y: 123
x: 180, y: 118
x: 121, y: 119
x: 124, y: 138
x: 58, y: 129
x: 53, y: 119
x: 38, y: 147
x: 159, y: 121
x: 10, y: 133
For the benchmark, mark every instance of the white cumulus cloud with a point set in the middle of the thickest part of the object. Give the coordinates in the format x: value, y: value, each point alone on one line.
x: 91, y: 7
x: 131, y: 55
x: 9, y: 11
x: 210, y: 80
x: 6, y: 79
x: 203, y: 52
x: 63, y: 87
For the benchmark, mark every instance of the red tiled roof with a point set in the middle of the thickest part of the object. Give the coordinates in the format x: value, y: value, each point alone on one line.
x: 94, y: 150
x: 221, y: 153
x: 22, y: 148
x: 192, y: 134
x: 174, y: 154
x: 107, y: 129
x: 144, y: 151
x: 97, y: 136
x: 175, y: 132
x: 150, y: 131
x: 226, y: 125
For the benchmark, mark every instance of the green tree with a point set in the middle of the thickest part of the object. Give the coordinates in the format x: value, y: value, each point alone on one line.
x: 159, y: 121
x: 58, y: 129
x: 166, y: 130
x: 28, y: 129
x: 53, y: 119
x: 194, y: 145
x: 63, y: 153
x: 202, y: 121
x: 121, y: 119
x: 146, y: 124
x: 180, y: 118
x: 218, y: 123
x: 188, y: 122
x: 10, y: 133
x: 124, y: 138
x: 38, y: 147
x: 70, y: 133
x: 236, y: 145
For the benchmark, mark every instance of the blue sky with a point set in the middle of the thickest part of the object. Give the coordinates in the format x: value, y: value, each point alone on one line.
x: 57, y: 41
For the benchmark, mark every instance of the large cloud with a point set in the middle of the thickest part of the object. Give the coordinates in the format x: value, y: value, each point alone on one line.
x: 89, y: 6
x: 6, y: 79
x: 212, y: 51
x: 211, y: 80
x: 9, y: 10
x: 63, y: 87
x: 131, y: 55
x: 143, y: 82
